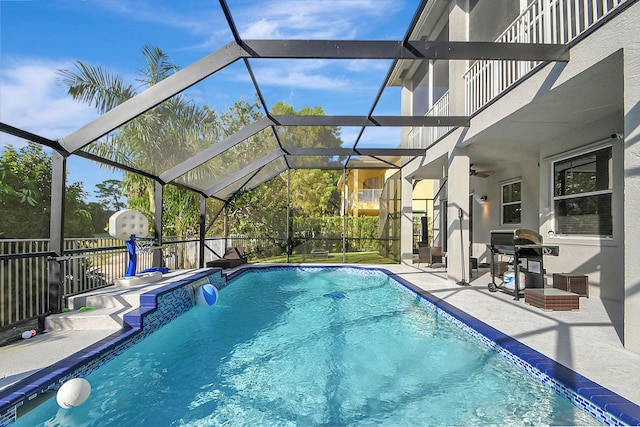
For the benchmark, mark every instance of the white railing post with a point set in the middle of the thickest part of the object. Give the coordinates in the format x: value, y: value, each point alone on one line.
x: 544, y: 21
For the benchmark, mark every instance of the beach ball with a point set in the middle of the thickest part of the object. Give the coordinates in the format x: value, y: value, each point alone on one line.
x: 206, y: 295
x: 73, y: 393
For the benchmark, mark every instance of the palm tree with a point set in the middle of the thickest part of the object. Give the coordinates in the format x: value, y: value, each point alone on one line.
x: 144, y: 142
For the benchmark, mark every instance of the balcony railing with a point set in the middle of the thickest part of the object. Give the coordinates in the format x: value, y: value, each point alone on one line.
x: 544, y: 21
x: 369, y: 195
x: 422, y: 137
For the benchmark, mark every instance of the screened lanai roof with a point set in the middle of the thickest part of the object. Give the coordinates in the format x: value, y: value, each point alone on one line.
x: 298, y: 53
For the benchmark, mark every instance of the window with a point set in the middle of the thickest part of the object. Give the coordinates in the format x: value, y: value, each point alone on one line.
x: 582, y: 194
x: 511, y: 202
x: 377, y: 182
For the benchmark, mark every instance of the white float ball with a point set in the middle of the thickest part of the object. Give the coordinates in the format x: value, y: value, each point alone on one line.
x: 206, y: 295
x: 73, y: 393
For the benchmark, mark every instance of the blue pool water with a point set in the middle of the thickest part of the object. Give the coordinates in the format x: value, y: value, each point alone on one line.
x: 321, y: 347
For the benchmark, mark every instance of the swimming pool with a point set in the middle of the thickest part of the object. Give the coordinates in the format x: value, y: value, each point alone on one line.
x: 313, y: 346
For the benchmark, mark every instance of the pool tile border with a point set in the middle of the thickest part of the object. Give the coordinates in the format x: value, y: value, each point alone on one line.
x: 603, y: 404
x: 159, y: 306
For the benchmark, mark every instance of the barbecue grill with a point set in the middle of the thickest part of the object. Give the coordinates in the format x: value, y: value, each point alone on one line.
x: 522, y: 245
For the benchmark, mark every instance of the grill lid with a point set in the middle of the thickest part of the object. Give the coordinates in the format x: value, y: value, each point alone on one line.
x: 518, y: 236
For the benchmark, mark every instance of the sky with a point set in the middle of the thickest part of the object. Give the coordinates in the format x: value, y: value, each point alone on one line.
x: 40, y: 37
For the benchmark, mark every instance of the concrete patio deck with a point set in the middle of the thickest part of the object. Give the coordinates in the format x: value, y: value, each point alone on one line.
x: 587, y: 340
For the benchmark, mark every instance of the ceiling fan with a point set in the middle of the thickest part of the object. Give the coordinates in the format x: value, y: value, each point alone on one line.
x: 480, y: 174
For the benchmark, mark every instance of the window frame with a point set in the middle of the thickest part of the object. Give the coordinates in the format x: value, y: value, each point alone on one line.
x: 512, y: 203
x: 555, y: 233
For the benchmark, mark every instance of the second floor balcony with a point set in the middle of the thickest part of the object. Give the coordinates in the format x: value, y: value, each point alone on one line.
x: 366, y: 200
x: 543, y: 21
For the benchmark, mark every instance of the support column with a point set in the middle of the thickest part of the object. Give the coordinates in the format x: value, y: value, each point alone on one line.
x: 406, y: 219
x: 203, y: 231
x: 457, y: 231
x: 56, y: 232
x: 157, y: 225
x: 226, y: 226
x: 345, y: 200
x: 458, y: 31
x: 631, y: 200
x: 288, y: 250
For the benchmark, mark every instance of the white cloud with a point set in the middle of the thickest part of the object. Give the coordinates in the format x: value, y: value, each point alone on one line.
x: 299, y: 74
x: 380, y: 137
x: 317, y: 19
x: 190, y: 17
x: 203, y: 20
x: 262, y: 29
x: 349, y: 135
x: 32, y: 100
x: 368, y: 65
x: 372, y: 137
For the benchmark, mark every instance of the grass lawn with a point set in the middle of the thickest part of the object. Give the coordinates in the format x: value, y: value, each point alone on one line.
x: 333, y: 257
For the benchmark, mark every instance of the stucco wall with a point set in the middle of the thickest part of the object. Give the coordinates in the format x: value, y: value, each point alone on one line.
x: 487, y: 215
x: 599, y: 258
x: 488, y: 19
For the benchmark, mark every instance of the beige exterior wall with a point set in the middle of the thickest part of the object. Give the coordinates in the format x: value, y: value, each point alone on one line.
x: 362, y: 187
x: 610, y: 263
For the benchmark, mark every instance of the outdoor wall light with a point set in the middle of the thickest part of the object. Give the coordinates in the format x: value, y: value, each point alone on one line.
x: 483, y: 198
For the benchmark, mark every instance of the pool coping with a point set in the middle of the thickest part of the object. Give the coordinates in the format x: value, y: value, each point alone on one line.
x: 603, y: 404
x: 579, y: 389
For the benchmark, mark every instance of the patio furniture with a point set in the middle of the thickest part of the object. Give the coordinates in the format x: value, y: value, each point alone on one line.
x: 552, y: 299
x: 473, y: 265
x: 576, y: 283
x: 429, y: 255
x: 319, y: 254
x: 233, y: 257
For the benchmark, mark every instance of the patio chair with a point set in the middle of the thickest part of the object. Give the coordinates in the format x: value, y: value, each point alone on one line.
x: 430, y: 255
x: 233, y: 257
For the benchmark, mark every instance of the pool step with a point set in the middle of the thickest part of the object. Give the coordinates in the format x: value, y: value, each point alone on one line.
x: 104, y: 300
x: 102, y: 309
x: 92, y: 319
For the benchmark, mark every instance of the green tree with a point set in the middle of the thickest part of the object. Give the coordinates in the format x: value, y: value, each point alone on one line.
x: 262, y: 210
x: 178, y: 128
x: 25, y: 205
x: 77, y: 219
x: 99, y: 217
x: 315, y: 192
x: 109, y: 193
x: 153, y: 142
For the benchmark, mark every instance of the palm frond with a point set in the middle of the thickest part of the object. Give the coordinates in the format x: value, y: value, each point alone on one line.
x: 156, y: 66
x: 95, y: 86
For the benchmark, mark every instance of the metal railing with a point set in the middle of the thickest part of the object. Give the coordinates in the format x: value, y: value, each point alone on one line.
x: 544, y: 21
x: 23, y: 279
x: 93, y: 263
x: 422, y: 137
x: 86, y: 264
